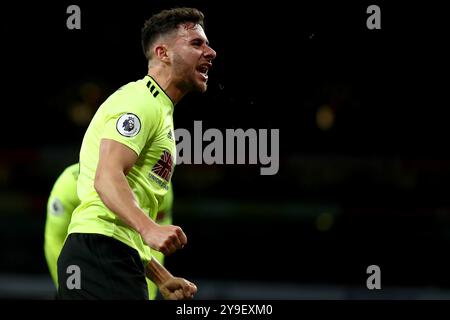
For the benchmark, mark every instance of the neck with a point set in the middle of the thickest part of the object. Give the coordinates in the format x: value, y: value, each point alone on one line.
x: 166, y: 81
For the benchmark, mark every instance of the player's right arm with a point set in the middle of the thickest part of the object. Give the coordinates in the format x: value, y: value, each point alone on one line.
x: 115, y: 161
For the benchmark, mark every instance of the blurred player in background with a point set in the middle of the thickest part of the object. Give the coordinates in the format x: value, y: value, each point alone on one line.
x: 61, y: 203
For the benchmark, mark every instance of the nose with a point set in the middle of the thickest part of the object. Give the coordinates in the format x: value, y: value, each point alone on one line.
x: 210, y: 54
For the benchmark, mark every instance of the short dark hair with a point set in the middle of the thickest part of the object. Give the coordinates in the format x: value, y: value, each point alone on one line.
x: 167, y: 21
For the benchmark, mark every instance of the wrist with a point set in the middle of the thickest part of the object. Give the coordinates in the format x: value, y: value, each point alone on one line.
x: 144, y: 225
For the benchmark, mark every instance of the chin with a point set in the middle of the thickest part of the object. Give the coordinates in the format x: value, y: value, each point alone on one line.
x: 201, y: 87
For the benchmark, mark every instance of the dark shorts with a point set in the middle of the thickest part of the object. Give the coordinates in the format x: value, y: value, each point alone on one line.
x: 94, y: 266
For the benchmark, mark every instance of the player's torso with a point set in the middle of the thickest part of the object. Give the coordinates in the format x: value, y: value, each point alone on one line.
x: 154, y: 167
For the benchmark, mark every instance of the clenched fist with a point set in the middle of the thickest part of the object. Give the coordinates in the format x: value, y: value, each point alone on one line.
x: 166, y: 239
x: 177, y: 289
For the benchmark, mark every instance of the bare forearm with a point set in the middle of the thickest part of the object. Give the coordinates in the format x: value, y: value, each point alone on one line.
x: 171, y: 288
x: 113, y: 189
x: 115, y: 161
x: 157, y: 272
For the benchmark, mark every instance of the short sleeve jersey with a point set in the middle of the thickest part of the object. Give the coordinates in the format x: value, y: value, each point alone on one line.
x: 140, y: 116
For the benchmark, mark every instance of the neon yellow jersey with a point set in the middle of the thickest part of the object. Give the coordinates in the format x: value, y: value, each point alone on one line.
x: 61, y: 203
x: 140, y: 116
x: 166, y: 207
x: 165, y: 218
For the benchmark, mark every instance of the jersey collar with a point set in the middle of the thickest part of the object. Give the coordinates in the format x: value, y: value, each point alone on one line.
x: 156, y: 90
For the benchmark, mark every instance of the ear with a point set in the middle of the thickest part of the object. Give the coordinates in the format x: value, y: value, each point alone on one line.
x: 160, y: 51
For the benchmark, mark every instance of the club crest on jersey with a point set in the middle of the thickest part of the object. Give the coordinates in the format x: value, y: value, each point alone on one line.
x: 128, y: 125
x: 163, y: 167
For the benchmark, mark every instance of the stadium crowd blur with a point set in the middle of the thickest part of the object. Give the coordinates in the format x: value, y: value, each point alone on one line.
x: 364, y: 166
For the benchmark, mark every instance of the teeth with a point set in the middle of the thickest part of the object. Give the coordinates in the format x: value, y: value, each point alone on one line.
x: 203, y: 69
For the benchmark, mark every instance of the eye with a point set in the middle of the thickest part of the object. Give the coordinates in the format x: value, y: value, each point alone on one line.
x: 197, y: 43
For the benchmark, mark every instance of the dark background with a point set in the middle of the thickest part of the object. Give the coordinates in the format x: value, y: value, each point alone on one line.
x: 369, y: 188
